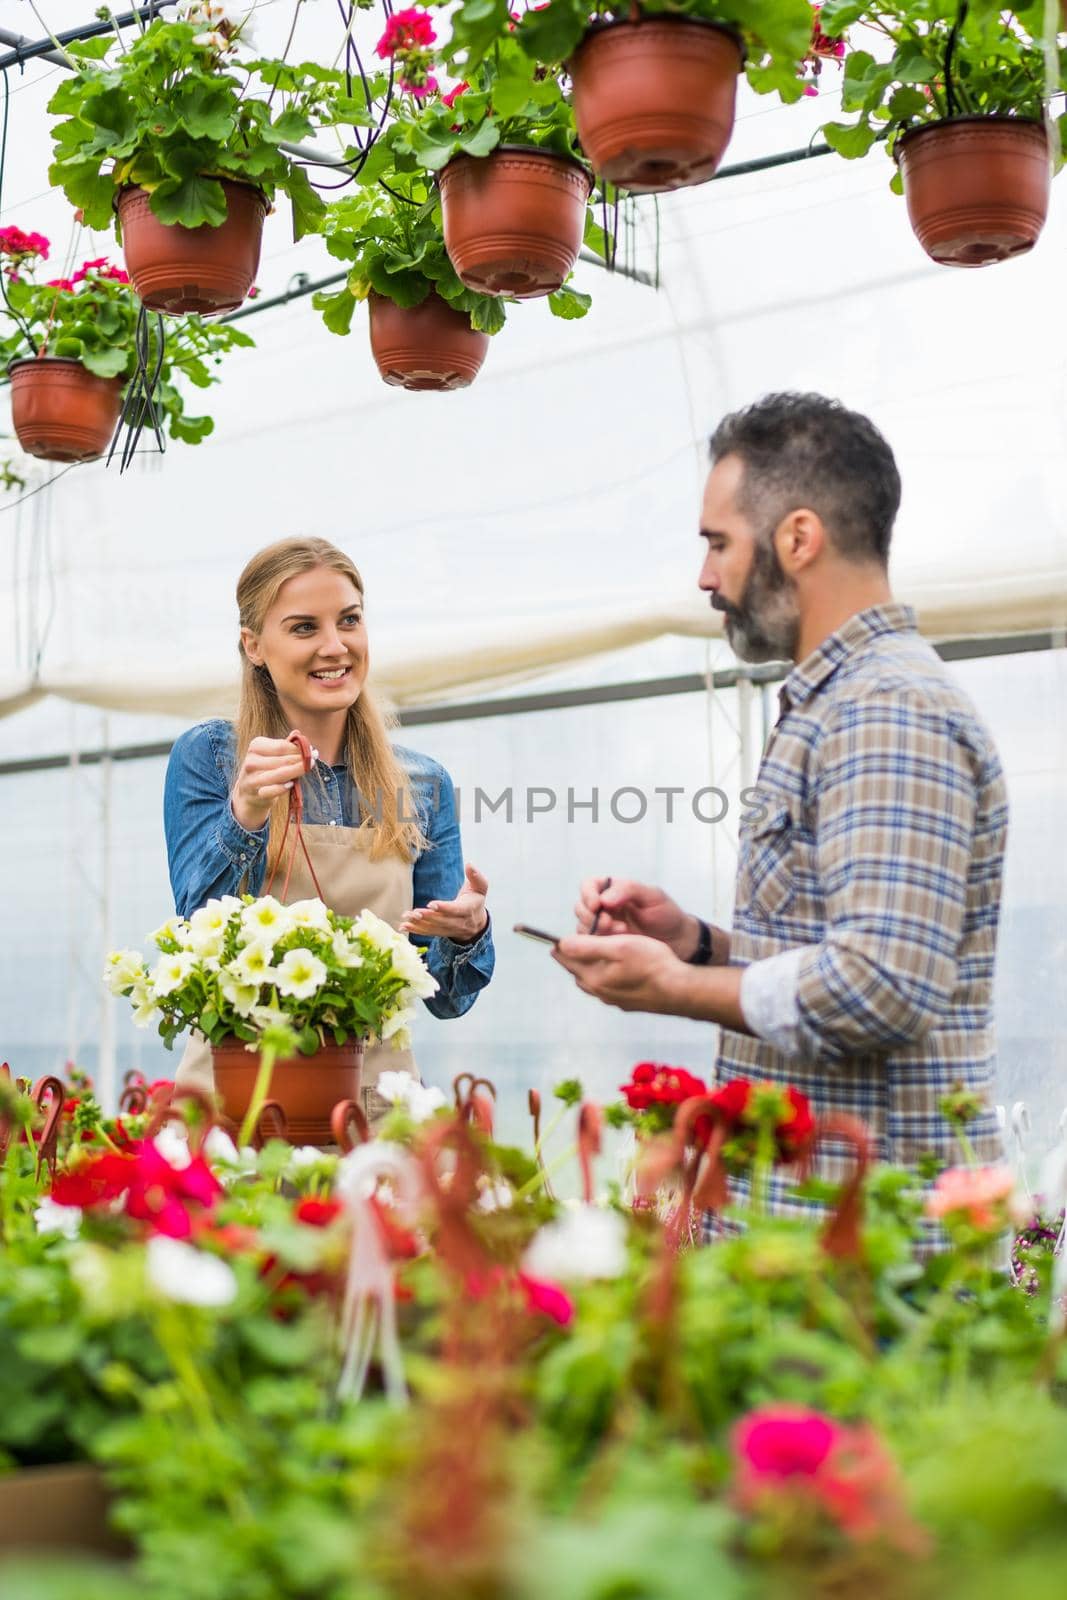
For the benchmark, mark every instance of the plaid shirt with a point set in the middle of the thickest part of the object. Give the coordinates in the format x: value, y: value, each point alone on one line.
x: 878, y: 845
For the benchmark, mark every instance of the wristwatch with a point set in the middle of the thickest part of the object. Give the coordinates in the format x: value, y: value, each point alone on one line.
x: 701, y: 956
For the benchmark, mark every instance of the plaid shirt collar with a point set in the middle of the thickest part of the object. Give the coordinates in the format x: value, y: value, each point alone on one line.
x: 811, y: 673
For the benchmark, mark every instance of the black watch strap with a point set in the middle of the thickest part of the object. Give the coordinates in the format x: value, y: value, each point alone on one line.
x: 701, y: 956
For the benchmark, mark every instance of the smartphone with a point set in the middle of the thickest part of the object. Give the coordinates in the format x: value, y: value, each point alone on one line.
x: 536, y: 933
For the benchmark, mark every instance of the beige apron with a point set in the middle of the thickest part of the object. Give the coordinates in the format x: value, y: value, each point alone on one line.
x: 351, y: 883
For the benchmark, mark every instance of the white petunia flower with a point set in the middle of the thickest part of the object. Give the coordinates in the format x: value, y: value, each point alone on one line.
x: 53, y: 1218
x: 398, y: 1023
x: 252, y: 965
x: 175, y: 930
x: 241, y: 996
x: 305, y: 1155
x: 170, y: 972
x: 208, y: 946
x: 346, y: 950
x: 172, y: 1142
x: 181, y: 1272
x: 310, y: 914
x: 211, y: 918
x: 406, y: 960
x: 266, y: 920
x: 145, y: 1009
x: 122, y: 970
x: 300, y: 974
x: 219, y: 1148
x: 401, y: 1089
x: 581, y: 1244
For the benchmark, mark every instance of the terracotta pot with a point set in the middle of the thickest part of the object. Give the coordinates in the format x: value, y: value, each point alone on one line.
x: 62, y: 411
x: 654, y: 100
x: 513, y: 221
x: 45, y: 1510
x: 205, y: 269
x: 431, y: 346
x: 306, y: 1087
x: 977, y: 188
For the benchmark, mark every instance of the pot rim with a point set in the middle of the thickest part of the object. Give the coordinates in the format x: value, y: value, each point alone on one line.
x: 997, y: 119
x: 599, y: 25
x: 237, y: 183
x: 525, y: 150
x: 62, y: 361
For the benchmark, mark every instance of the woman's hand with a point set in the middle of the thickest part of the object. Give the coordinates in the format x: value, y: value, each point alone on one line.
x: 270, y: 768
x: 462, y: 920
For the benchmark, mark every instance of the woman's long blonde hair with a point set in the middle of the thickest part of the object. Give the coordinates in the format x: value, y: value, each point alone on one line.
x: 372, y: 763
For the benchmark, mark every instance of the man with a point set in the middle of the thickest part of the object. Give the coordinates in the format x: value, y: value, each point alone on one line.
x: 860, y: 962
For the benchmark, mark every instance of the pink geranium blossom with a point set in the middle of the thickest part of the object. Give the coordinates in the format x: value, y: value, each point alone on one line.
x: 453, y: 95
x: 981, y: 1196
x: 547, y: 1298
x: 13, y: 242
x: 406, y: 30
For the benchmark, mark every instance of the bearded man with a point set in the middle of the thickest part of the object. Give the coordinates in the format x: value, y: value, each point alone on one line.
x: 859, y: 964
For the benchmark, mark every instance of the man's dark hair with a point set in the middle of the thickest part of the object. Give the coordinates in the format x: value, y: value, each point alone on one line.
x: 806, y: 450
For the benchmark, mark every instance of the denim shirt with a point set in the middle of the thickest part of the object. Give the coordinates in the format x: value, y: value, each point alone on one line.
x: 210, y: 854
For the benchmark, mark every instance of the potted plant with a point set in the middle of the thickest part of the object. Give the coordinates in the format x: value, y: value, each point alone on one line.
x: 298, y: 984
x: 428, y: 330
x: 960, y: 97
x: 655, y: 82
x: 69, y: 347
x: 514, y: 195
x: 176, y: 137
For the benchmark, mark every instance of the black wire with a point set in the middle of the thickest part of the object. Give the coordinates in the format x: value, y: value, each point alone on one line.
x: 3, y: 163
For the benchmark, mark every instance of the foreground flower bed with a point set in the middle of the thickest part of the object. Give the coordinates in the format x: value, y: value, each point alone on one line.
x: 410, y: 1370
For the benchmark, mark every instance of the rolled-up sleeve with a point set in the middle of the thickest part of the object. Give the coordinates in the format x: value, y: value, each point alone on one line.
x: 461, y: 970
x: 209, y: 853
x: 895, y: 806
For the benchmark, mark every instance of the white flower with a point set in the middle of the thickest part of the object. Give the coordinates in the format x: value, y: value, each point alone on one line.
x: 310, y: 914
x: 267, y: 1017
x: 181, y: 1272
x: 241, y: 996
x: 401, y: 1089
x: 208, y: 946
x: 211, y: 918
x: 583, y: 1243
x: 399, y: 1022
x: 305, y: 1155
x: 172, y: 1142
x: 300, y: 974
x: 170, y: 972
x: 53, y: 1218
x: 493, y: 1195
x: 266, y: 920
x: 219, y: 1148
x: 252, y: 965
x: 174, y: 930
x: 122, y: 970
x: 145, y: 1010
x: 406, y: 960
x: 346, y: 950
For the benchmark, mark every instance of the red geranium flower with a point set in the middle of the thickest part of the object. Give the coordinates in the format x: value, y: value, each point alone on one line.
x: 13, y: 242
x: 652, y: 1084
x: 156, y: 1192
x: 406, y: 30
x: 318, y: 1213
x: 453, y: 95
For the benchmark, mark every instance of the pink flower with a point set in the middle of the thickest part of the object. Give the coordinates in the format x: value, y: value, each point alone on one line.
x: 824, y: 46
x: 154, y: 1191
x: 13, y: 242
x: 60, y: 283
x: 406, y: 30
x: 981, y: 1196
x: 419, y: 90
x: 453, y: 95
x: 254, y: 292
x: 547, y: 1298
x: 787, y: 1455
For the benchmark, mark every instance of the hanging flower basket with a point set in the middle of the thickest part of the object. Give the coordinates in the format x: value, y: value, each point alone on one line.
x: 654, y: 100
x: 977, y: 188
x: 61, y: 411
x: 306, y: 1087
x: 514, y: 220
x: 429, y: 346
x: 204, y: 270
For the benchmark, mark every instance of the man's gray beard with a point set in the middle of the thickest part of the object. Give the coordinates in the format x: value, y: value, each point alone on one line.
x: 755, y: 646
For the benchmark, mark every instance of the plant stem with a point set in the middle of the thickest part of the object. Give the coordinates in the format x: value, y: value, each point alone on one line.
x: 542, y: 1173
x: 260, y: 1091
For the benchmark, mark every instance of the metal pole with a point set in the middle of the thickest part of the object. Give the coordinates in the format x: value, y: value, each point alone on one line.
x: 107, y: 1085
x: 74, y: 843
x: 28, y: 50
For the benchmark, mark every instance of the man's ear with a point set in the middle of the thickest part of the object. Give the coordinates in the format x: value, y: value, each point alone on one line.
x: 799, y: 539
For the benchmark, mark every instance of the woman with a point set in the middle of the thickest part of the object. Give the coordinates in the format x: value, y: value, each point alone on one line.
x: 380, y: 821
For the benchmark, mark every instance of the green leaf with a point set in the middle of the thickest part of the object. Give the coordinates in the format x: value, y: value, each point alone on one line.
x: 308, y: 206
x: 190, y: 202
x: 290, y: 128
x: 110, y: 363
x: 113, y: 113
x: 336, y: 309
x: 849, y: 142
x: 86, y: 187
x: 569, y: 303
x: 209, y: 1019
x: 70, y: 349
x: 552, y: 34
x: 488, y: 315
x: 207, y: 113
x: 483, y: 140
x: 191, y: 430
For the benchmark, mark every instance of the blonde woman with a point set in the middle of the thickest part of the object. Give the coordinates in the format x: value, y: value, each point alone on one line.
x: 380, y: 821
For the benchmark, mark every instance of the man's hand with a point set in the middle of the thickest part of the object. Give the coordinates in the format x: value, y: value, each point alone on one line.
x: 629, y: 971
x: 463, y: 919
x: 618, y: 905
